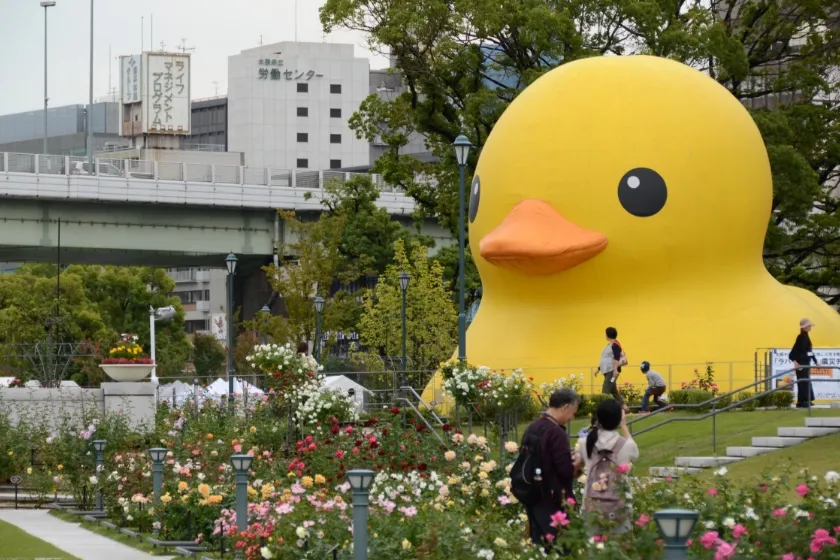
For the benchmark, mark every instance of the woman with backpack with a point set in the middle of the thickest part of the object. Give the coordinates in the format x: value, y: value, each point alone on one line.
x: 604, y: 450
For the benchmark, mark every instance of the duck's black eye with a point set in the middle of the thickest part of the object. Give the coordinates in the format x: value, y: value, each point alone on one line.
x: 642, y: 192
x: 475, y: 198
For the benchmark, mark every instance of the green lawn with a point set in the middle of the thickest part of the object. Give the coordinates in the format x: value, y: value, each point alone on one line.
x: 818, y: 455
x: 20, y: 544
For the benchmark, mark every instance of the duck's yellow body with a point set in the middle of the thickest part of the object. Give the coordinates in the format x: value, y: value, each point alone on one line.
x: 631, y: 192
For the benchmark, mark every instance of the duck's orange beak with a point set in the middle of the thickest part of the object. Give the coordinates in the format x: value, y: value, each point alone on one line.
x: 535, y: 239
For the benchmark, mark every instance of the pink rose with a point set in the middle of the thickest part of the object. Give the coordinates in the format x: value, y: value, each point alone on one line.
x: 724, y: 551
x: 779, y: 512
x: 802, y: 490
x: 560, y: 519
x: 623, y: 468
x: 709, y: 540
x: 712, y: 492
x: 642, y: 521
x: 739, y: 531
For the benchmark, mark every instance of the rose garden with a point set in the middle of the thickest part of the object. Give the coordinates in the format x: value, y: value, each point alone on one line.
x: 437, y: 490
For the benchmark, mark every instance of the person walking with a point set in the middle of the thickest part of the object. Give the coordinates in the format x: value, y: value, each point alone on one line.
x: 603, y: 451
x: 656, y: 387
x: 802, y: 356
x: 547, y: 436
x: 612, y: 358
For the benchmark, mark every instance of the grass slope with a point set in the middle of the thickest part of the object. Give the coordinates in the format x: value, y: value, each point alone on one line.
x: 17, y: 543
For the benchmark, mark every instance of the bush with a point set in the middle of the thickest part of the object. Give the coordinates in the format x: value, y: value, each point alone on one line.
x: 588, y: 404
x: 691, y: 396
x: 749, y: 406
x: 632, y: 395
x: 782, y: 399
x: 765, y: 401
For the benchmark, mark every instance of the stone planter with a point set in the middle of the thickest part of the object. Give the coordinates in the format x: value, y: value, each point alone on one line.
x: 127, y: 372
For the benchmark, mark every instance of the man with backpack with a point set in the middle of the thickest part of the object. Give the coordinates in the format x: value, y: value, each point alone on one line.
x: 541, y: 477
x: 612, y: 358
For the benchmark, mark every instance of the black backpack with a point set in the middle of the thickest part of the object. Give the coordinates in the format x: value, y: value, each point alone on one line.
x: 525, y: 485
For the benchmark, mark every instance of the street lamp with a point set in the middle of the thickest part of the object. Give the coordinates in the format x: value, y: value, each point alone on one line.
x: 404, y: 281
x: 241, y: 464
x: 360, y: 481
x: 45, y: 5
x: 266, y: 313
x: 157, y: 454
x: 91, y: 170
x: 159, y: 314
x: 319, y: 308
x: 462, y: 147
x: 230, y: 263
x: 99, y: 450
x: 675, y: 526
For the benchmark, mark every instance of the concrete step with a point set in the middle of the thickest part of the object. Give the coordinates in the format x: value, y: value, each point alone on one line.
x: 777, y: 442
x: 807, y: 432
x: 673, y: 471
x: 704, y: 462
x: 748, y: 451
x: 832, y: 422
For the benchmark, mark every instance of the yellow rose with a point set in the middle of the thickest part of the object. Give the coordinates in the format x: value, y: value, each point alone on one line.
x: 204, y: 490
x: 251, y: 491
x: 60, y: 467
x: 166, y: 498
x: 182, y: 486
x: 11, y: 453
x: 319, y: 479
x: 215, y: 499
x: 306, y: 481
x: 253, y: 429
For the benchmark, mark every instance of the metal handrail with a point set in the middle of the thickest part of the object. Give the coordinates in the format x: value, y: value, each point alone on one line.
x: 431, y: 410
x: 423, y: 418
x: 713, y: 402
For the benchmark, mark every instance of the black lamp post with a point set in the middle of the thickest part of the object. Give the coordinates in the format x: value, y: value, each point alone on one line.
x: 360, y: 481
x: 462, y: 147
x: 266, y: 313
x: 675, y: 526
x: 230, y: 263
x: 405, y: 279
x: 99, y: 457
x: 319, y: 308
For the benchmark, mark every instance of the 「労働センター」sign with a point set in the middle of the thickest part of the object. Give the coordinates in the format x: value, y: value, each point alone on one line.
x: 827, y: 368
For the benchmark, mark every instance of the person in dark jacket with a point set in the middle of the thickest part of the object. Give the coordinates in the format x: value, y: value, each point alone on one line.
x: 802, y: 354
x: 556, y: 463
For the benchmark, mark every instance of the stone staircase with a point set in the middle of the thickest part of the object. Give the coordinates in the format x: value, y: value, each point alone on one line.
x: 786, y: 437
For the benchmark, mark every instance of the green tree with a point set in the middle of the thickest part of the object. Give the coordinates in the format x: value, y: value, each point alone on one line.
x: 209, y: 356
x: 431, y: 315
x: 93, y: 304
x: 464, y: 62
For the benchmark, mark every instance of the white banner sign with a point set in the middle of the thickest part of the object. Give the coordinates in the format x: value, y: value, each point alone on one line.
x: 131, y: 70
x: 779, y: 363
x: 167, y: 101
x: 218, y: 326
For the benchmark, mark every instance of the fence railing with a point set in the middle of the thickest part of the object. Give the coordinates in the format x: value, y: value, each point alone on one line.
x: 177, y: 171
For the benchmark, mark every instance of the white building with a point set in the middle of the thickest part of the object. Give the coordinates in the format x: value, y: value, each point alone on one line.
x: 289, y: 103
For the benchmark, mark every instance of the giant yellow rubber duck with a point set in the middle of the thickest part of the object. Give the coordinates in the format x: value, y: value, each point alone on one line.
x: 632, y: 192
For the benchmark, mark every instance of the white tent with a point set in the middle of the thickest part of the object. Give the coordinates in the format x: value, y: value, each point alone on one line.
x: 179, y: 393
x: 346, y: 386
x: 220, y: 387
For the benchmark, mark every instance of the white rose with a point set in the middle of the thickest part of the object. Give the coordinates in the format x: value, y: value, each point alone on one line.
x: 265, y: 552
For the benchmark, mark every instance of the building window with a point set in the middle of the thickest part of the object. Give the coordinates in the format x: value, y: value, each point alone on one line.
x: 302, y: 87
x: 335, y: 164
x: 335, y: 113
x: 335, y: 138
x: 302, y: 137
x: 302, y: 163
x: 335, y: 88
x: 303, y: 111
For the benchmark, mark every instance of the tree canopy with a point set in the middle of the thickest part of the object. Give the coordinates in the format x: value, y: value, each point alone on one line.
x: 462, y: 64
x: 95, y: 306
x: 431, y: 315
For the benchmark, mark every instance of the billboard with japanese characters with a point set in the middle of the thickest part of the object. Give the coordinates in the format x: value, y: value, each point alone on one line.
x: 166, y: 95
x: 131, y: 70
x: 827, y: 358
x: 274, y: 69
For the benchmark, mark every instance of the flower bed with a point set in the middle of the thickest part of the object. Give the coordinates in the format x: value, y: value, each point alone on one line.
x: 430, y: 499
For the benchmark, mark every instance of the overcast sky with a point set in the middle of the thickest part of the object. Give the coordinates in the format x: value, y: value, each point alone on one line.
x: 215, y: 28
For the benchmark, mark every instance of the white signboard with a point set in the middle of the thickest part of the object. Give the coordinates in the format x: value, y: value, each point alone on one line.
x: 218, y: 326
x: 167, y: 94
x: 779, y: 363
x: 131, y: 70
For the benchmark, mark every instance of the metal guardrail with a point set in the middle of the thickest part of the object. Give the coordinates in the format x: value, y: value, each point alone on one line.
x: 715, y: 400
x: 11, y: 162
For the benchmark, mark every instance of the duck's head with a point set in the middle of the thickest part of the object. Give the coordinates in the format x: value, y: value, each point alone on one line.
x: 616, y: 167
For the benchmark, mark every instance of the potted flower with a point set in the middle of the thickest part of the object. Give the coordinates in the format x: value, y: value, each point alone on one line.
x: 126, y: 362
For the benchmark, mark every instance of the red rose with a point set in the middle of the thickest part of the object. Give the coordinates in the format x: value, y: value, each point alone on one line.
x: 395, y: 410
x: 446, y: 427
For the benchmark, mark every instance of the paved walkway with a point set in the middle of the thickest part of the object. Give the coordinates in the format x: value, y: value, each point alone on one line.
x: 71, y: 537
